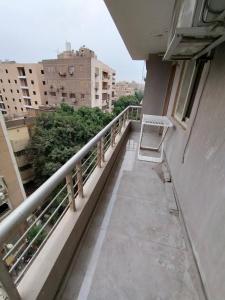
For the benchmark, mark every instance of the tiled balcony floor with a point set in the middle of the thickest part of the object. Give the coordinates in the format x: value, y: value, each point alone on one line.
x: 134, y: 248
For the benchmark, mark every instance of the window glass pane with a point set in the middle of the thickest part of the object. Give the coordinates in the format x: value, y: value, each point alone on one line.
x: 184, y: 89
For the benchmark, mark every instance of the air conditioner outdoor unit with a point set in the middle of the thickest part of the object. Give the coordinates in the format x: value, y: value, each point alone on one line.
x: 197, y: 27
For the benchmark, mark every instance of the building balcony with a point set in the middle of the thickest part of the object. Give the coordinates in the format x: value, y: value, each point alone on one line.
x: 24, y: 87
x: 21, y: 160
x: 19, y: 145
x: 27, y: 175
x: 116, y: 209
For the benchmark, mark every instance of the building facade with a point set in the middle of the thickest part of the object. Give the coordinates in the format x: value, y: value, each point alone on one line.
x: 11, y: 187
x: 21, y: 86
x: 125, y: 88
x: 80, y: 79
x: 75, y: 77
x: 185, y: 62
x: 19, y: 131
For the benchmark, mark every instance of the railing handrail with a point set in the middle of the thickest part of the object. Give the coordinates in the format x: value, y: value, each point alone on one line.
x: 23, y: 211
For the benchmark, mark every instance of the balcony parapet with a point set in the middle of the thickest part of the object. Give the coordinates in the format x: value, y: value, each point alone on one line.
x: 73, y: 191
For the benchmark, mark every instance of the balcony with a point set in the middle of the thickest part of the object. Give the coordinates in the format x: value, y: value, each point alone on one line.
x: 27, y: 175
x: 115, y: 212
x: 19, y: 145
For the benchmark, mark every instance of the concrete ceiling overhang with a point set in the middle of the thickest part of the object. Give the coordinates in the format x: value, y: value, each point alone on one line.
x: 143, y: 24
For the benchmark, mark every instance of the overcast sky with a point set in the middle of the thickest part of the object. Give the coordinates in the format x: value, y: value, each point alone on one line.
x: 32, y: 30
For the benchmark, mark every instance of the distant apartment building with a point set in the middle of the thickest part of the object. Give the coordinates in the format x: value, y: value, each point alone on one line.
x: 79, y: 79
x: 11, y: 187
x: 21, y: 86
x: 125, y: 88
x: 75, y: 77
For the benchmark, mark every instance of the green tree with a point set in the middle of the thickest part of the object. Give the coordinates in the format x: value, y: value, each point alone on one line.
x: 32, y: 234
x: 123, y: 102
x: 139, y: 95
x: 57, y: 136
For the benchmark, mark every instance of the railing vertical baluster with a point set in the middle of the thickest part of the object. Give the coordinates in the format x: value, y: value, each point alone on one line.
x: 70, y: 191
x: 79, y: 179
x: 8, y: 283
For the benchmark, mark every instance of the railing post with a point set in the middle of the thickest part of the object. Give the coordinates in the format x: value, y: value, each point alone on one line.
x: 112, y: 135
x: 70, y: 191
x: 120, y: 125
x: 136, y: 113
x: 8, y: 283
x: 79, y: 179
x: 102, y: 150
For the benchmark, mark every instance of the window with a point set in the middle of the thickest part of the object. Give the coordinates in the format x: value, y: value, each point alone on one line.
x: 17, y: 91
x: 34, y: 93
x: 52, y: 93
x: 35, y: 102
x: 21, y: 108
x: 72, y: 95
x: 13, y: 99
x: 6, y: 70
x: 82, y: 96
x: 96, y: 96
x: 189, y: 82
x: 9, y: 81
x: 71, y: 70
x: 43, y: 82
x: 8, y: 106
x: 15, y: 81
x: 32, y: 82
x: 3, y: 90
x: 45, y: 93
x: 30, y: 71
x: 15, y: 108
x: 64, y: 94
x: 42, y: 72
x: 1, y: 98
x: 11, y: 90
x: 1, y: 80
x: 6, y: 98
x: 46, y: 102
x: 19, y: 100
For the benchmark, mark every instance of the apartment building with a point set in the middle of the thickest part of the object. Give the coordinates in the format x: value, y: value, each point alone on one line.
x: 21, y: 86
x: 80, y: 79
x: 160, y: 226
x: 11, y: 187
x: 124, y: 88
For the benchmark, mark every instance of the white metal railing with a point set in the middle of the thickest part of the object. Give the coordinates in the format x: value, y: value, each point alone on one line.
x: 24, y: 232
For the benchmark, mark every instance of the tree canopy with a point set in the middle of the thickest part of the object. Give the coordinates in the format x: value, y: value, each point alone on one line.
x: 57, y: 136
x: 125, y: 101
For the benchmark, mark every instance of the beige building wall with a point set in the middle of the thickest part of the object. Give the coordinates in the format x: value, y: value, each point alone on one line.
x: 79, y: 79
x: 21, y: 86
x: 9, y: 173
x: 19, y: 137
x: 124, y: 88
